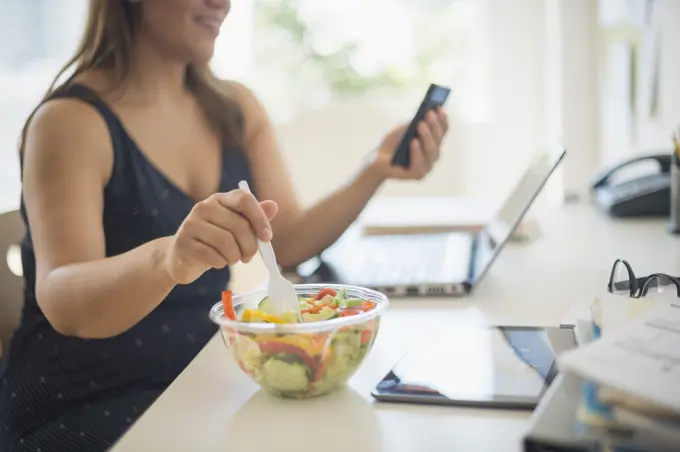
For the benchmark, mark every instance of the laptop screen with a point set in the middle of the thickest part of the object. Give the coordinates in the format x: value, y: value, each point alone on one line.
x: 497, y: 231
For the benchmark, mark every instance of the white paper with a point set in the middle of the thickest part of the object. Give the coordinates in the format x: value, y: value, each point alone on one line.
x: 418, y: 212
x: 642, y: 358
x: 617, y: 311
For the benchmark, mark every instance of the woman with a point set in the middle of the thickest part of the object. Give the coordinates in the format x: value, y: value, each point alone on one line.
x: 130, y: 173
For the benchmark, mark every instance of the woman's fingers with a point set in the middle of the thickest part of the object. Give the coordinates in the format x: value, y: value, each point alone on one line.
x: 270, y: 209
x: 195, y: 240
x: 443, y: 119
x: 229, y: 230
x: 419, y: 166
x: 220, y: 231
x: 246, y: 205
x: 429, y: 143
x: 242, y: 236
x: 214, y: 237
x: 436, y: 127
x: 206, y: 255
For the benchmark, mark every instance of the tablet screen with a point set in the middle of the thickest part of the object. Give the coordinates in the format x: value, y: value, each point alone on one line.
x: 481, y: 365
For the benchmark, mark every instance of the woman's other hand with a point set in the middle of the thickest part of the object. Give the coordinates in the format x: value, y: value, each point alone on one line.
x: 220, y: 231
x: 424, y: 149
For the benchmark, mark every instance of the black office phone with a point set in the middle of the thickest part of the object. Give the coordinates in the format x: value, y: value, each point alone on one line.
x: 435, y: 97
x: 645, y: 196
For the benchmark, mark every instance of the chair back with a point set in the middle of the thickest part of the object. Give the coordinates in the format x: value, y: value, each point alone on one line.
x: 11, y: 274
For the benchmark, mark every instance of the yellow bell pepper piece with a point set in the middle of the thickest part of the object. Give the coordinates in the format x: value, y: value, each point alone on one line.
x: 252, y: 315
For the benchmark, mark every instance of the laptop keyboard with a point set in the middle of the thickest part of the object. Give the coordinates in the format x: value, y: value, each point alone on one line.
x: 414, y: 259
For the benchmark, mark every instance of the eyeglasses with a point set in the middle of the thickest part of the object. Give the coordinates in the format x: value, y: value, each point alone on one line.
x: 622, y: 281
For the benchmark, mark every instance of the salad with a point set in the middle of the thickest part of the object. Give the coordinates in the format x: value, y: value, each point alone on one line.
x: 308, y: 363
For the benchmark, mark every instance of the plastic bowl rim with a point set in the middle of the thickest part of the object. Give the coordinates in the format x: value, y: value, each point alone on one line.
x: 382, y: 302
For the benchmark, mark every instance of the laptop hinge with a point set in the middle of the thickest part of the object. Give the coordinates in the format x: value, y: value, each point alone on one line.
x: 473, y: 260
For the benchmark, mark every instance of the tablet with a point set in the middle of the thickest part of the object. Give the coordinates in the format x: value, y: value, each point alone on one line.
x: 482, y: 366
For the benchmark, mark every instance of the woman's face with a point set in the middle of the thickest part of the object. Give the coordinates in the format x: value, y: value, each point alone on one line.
x: 185, y: 29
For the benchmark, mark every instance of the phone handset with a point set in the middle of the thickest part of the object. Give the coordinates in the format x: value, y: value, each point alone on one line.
x: 664, y: 161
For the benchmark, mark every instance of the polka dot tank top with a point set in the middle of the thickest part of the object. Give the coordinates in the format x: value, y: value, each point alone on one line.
x: 89, y: 391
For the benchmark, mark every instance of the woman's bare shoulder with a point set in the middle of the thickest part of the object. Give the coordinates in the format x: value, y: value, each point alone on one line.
x: 68, y: 119
x: 241, y: 93
x: 72, y: 115
x: 71, y: 129
x: 254, y: 113
x: 234, y: 88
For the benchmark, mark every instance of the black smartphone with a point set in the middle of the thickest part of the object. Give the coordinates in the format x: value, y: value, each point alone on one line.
x: 435, y: 97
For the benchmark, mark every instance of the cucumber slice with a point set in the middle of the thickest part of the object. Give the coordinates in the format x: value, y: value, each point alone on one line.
x: 265, y: 306
x: 342, y: 294
x: 325, y: 314
x: 284, y: 377
x: 351, y: 302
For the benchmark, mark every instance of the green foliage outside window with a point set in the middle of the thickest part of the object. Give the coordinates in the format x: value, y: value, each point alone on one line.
x: 290, y: 35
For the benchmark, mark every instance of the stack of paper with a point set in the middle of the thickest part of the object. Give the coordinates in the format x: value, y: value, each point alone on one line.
x: 620, y: 391
x: 632, y: 373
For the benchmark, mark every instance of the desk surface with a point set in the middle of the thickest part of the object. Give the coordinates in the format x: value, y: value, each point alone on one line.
x: 213, y: 407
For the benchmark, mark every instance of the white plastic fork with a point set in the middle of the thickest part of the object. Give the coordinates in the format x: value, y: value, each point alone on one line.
x: 281, y: 293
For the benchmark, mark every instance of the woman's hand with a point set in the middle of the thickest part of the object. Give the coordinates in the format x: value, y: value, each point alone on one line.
x: 220, y: 231
x: 424, y: 149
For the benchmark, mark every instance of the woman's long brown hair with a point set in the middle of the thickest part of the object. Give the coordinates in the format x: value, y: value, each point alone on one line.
x: 107, y: 43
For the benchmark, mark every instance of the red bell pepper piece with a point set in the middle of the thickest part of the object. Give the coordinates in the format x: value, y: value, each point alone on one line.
x: 275, y: 348
x: 228, y: 305
x: 323, y: 364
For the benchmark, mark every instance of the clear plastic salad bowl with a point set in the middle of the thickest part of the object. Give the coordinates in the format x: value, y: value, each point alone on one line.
x: 301, y: 360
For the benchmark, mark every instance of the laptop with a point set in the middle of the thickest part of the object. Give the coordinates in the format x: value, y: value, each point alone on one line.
x: 434, y: 264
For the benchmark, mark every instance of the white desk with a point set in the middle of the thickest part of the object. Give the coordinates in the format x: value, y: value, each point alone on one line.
x: 213, y: 407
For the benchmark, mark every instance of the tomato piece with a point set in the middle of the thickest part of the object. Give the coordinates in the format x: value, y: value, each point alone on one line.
x: 366, y: 336
x: 325, y: 291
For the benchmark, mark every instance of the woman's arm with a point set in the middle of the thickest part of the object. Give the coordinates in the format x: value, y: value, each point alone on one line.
x: 67, y: 161
x: 298, y: 233
x: 312, y: 230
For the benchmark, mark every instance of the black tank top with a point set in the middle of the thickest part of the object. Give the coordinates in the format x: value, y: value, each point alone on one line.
x: 54, y: 375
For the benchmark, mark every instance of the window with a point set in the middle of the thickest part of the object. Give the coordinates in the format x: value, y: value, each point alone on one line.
x: 36, y: 38
x: 335, y: 79
x: 308, y: 53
